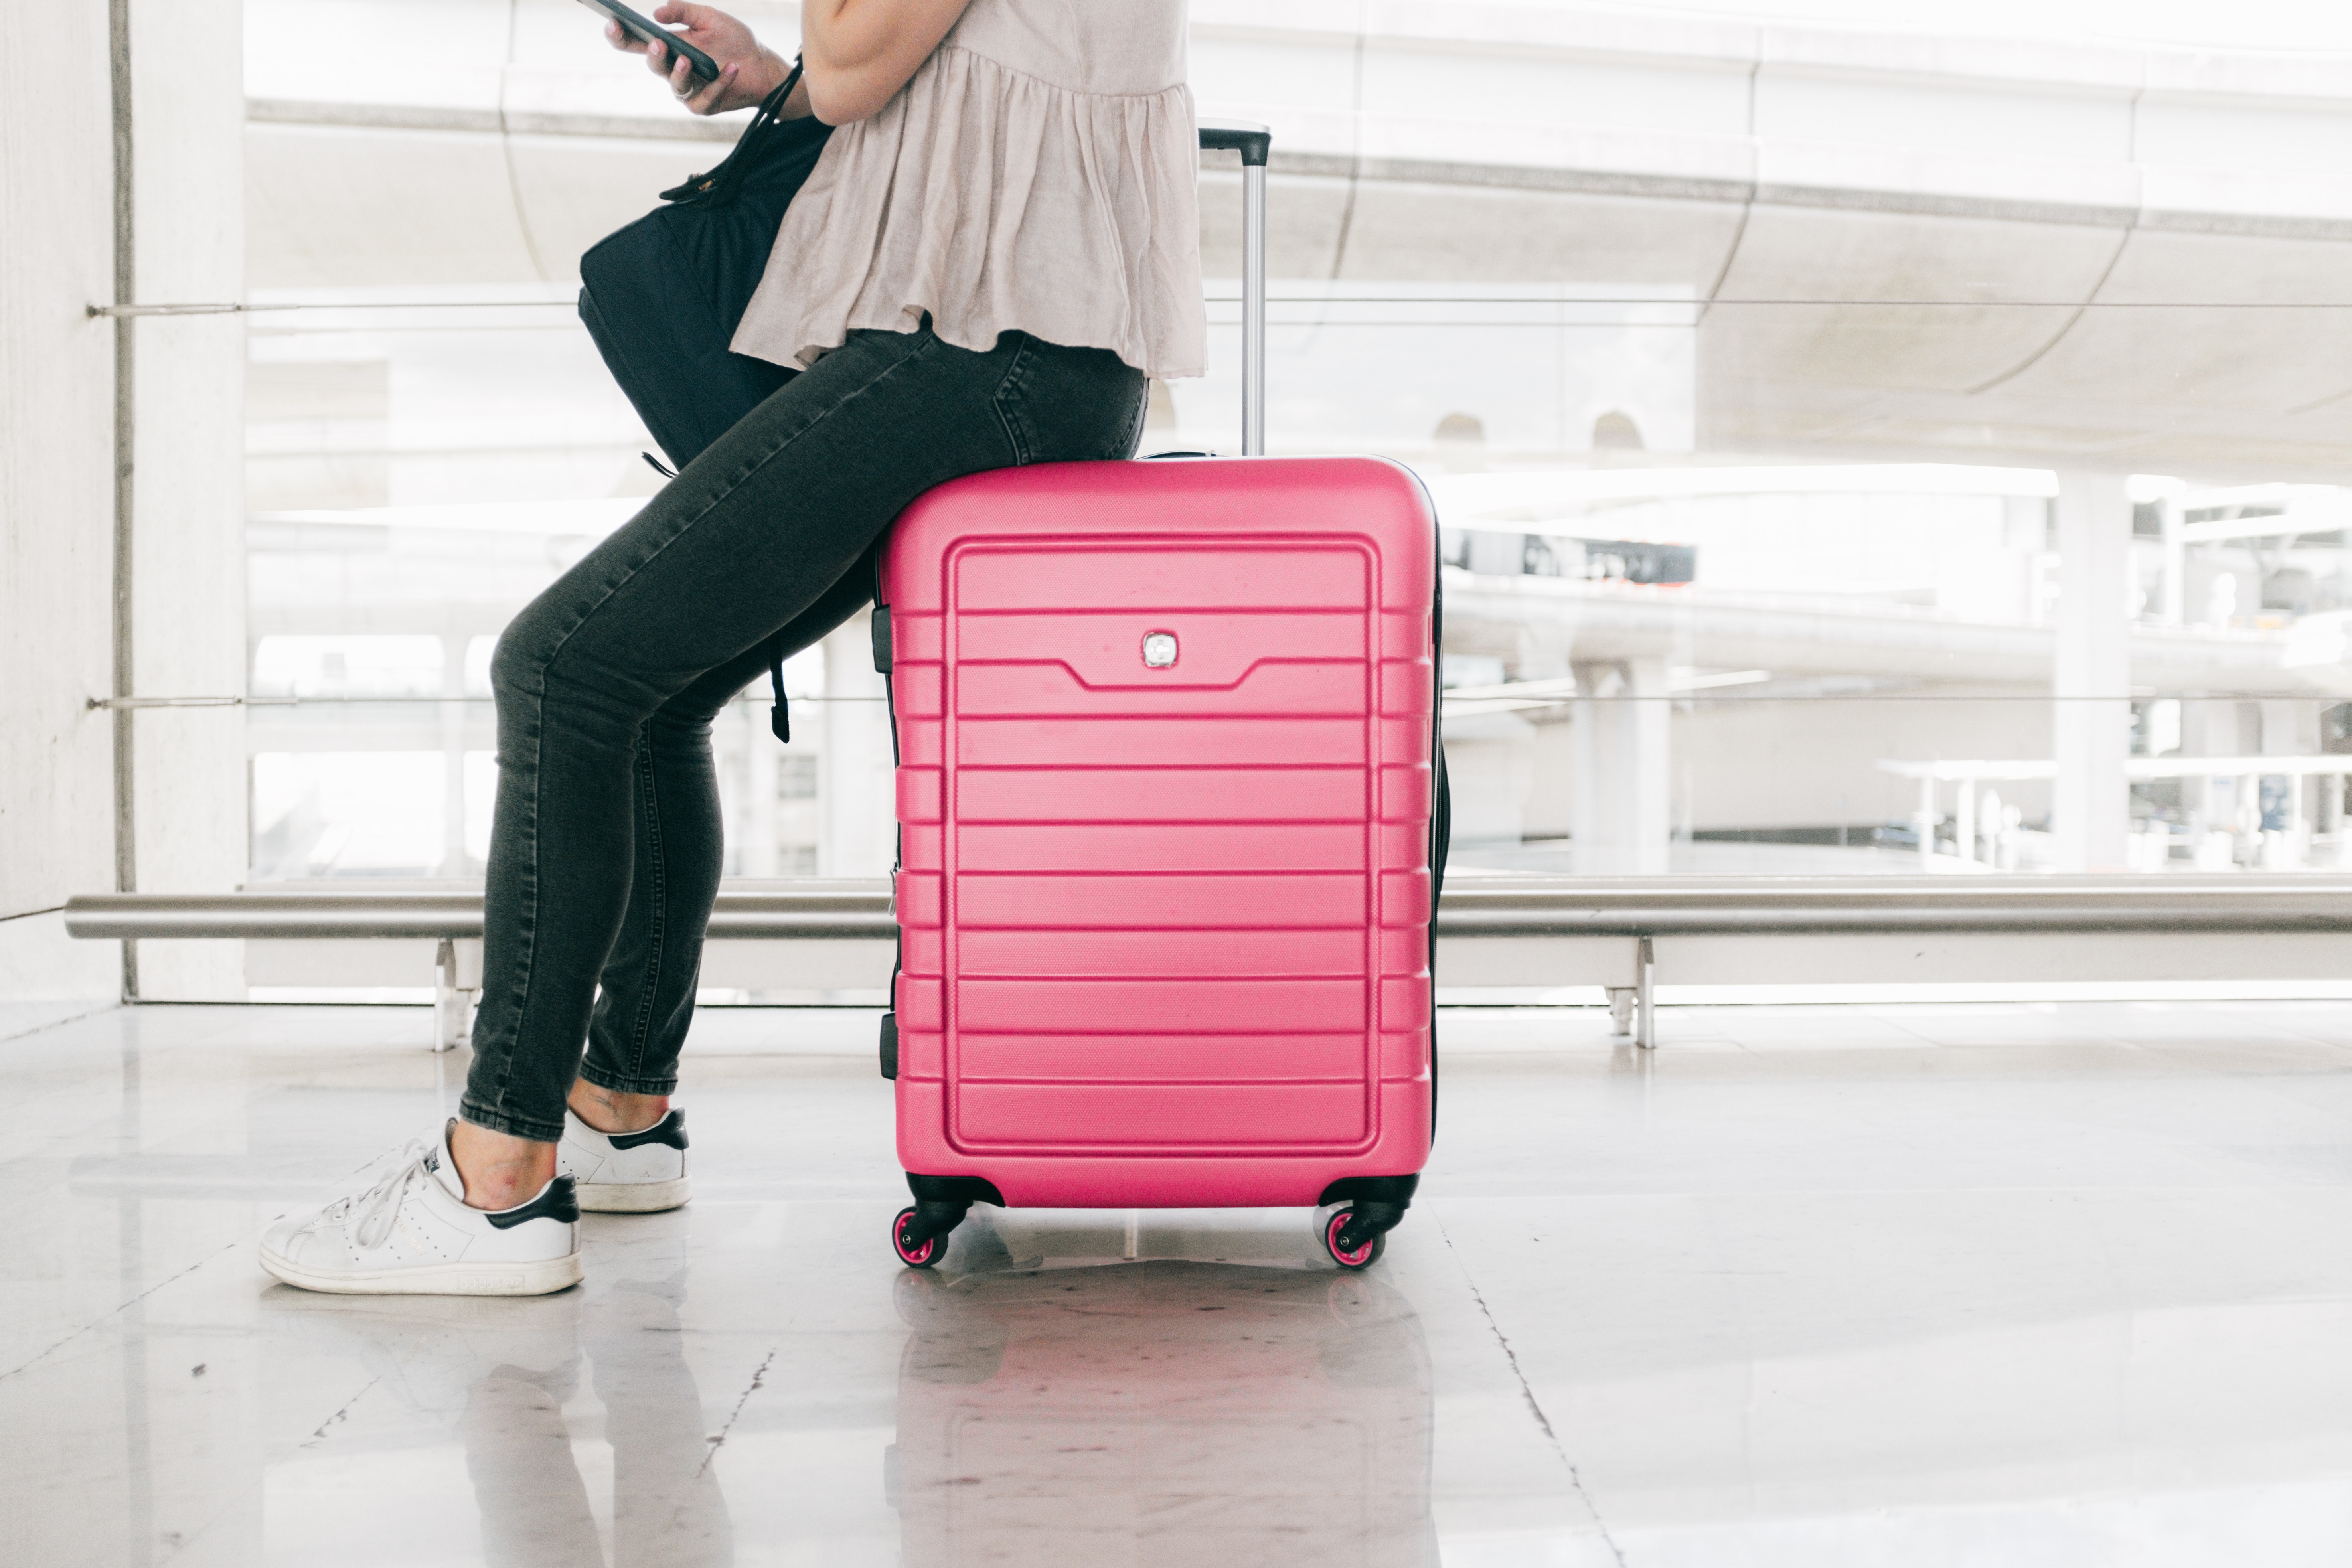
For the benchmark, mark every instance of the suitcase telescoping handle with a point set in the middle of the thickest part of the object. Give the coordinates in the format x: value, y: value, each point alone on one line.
x: 1251, y: 140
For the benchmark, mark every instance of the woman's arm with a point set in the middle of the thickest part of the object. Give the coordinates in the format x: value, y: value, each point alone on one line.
x: 748, y: 70
x: 859, y: 53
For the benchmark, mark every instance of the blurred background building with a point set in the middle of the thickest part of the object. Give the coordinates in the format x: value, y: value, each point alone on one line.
x: 1881, y: 438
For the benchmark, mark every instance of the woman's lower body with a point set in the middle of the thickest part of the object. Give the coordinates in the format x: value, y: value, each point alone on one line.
x: 606, y: 843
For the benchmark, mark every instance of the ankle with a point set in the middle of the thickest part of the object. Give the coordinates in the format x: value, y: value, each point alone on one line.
x: 610, y: 1110
x: 498, y: 1169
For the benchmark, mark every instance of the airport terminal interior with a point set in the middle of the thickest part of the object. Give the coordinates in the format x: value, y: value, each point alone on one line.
x: 1892, y: 470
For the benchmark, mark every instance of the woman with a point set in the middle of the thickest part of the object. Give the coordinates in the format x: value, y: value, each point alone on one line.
x: 998, y: 247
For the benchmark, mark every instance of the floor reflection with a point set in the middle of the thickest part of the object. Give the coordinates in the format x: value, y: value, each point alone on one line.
x: 1167, y: 1413
x: 1835, y: 1287
x: 666, y: 1503
x: 501, y: 1375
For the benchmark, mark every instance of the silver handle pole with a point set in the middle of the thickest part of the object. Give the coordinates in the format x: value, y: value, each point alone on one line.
x: 1253, y: 310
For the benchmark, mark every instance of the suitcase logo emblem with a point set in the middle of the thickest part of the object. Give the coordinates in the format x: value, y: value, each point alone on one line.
x: 1159, y: 649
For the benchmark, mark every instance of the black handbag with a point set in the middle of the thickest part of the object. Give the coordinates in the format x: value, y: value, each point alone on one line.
x: 663, y: 297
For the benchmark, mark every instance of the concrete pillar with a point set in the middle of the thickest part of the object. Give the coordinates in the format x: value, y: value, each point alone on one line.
x: 55, y: 506
x: 188, y: 550
x: 2291, y: 728
x: 857, y: 790
x: 455, y: 862
x: 1621, y: 779
x: 1924, y: 821
x: 121, y: 517
x: 2091, y: 677
x: 758, y: 818
x: 2174, y: 605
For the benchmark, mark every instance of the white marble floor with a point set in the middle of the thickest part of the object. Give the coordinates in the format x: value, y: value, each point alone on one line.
x: 1918, y: 1286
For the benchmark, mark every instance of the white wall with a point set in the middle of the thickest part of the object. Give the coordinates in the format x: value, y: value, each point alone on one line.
x: 56, y: 511
x: 56, y: 492
x: 188, y: 546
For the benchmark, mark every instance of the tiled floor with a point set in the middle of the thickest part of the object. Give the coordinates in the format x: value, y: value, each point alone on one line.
x: 1916, y: 1286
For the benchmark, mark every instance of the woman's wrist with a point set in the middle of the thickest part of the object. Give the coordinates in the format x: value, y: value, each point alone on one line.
x: 764, y: 75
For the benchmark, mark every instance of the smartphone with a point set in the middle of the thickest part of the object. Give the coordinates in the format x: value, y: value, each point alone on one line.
x: 645, y: 30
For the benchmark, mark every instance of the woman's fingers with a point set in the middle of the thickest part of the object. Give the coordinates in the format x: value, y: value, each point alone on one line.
x: 713, y: 31
x: 715, y: 97
x: 619, y: 38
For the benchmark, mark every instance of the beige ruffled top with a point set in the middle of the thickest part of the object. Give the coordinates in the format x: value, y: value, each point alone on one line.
x: 1038, y: 173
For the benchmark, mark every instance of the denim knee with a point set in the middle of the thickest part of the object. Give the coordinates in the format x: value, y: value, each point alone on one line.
x: 517, y: 667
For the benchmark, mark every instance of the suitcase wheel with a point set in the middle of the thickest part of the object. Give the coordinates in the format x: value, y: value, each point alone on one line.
x: 1363, y: 1255
x: 902, y: 1242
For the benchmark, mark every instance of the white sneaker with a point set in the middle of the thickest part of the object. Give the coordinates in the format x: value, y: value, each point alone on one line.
x: 412, y: 1234
x: 625, y: 1172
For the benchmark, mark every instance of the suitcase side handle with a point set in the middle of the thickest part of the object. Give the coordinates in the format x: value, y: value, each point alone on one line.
x: 1254, y: 142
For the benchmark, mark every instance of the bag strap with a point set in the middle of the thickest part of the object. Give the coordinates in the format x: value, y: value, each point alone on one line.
x: 780, y: 718
x: 718, y: 186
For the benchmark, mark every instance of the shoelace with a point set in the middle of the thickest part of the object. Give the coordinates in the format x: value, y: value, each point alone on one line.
x: 379, y: 1207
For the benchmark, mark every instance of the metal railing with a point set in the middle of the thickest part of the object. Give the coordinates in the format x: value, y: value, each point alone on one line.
x: 1790, y: 906
x: 1636, y: 910
x: 1513, y: 908
x: 852, y: 911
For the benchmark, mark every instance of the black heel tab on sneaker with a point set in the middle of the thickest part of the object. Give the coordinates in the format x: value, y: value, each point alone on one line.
x: 669, y: 1130
x: 558, y: 1202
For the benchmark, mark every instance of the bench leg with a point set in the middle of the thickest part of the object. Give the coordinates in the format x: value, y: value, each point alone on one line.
x: 456, y: 990
x: 1621, y: 1009
x: 1645, y: 1001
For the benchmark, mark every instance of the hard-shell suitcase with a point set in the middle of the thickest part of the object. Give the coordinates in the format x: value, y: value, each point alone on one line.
x: 1171, y: 825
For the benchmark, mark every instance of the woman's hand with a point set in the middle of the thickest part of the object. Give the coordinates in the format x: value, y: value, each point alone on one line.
x: 748, y: 72
x: 859, y: 53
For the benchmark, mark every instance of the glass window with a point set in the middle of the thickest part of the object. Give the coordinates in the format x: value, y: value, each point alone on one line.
x: 1921, y: 463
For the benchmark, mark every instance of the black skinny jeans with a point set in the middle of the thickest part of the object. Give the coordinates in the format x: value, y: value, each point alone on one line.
x: 605, y: 845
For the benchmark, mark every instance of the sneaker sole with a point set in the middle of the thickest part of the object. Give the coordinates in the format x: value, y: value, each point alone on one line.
x: 534, y: 1279
x: 633, y: 1198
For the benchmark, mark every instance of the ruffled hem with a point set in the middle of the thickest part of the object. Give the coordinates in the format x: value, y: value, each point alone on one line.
x: 996, y: 202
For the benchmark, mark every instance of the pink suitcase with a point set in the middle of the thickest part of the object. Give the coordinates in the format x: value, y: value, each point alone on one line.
x: 1170, y: 828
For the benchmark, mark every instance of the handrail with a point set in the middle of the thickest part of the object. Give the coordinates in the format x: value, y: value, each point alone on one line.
x: 855, y: 911
x: 1699, y: 906
x: 1517, y: 908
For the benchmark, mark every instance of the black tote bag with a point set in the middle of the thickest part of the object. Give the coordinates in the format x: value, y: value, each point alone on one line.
x: 663, y: 297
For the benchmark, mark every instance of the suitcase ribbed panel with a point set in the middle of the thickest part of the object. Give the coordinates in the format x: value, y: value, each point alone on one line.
x: 1164, y: 784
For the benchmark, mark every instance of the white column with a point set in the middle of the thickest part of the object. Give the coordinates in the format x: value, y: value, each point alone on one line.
x: 55, y: 509
x: 1651, y: 776
x: 759, y: 812
x: 2291, y: 728
x: 2091, y: 801
x: 2175, y: 606
x: 856, y: 792
x: 1589, y: 806
x: 1964, y: 821
x: 1621, y: 782
x: 452, y: 754
x: 187, y: 557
